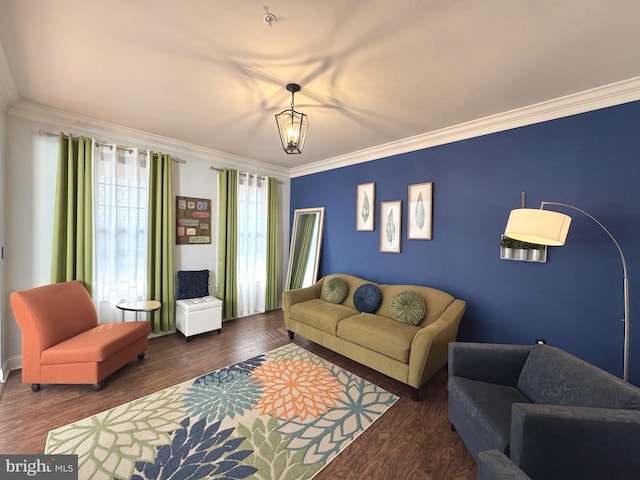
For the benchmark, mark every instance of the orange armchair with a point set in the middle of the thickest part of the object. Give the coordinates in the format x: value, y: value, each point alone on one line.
x: 62, y: 342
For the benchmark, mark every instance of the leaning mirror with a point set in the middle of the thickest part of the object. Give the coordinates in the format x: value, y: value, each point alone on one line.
x: 306, y: 242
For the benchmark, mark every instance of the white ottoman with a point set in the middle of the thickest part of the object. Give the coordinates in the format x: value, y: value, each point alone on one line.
x: 198, y: 315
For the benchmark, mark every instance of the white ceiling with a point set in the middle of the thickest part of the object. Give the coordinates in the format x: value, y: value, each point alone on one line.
x: 212, y: 73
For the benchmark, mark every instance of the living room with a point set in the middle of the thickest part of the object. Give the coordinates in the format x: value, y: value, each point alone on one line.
x: 579, y: 147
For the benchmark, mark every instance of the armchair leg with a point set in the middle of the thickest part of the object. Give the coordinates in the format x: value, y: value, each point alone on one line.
x: 36, y: 387
x: 141, y: 356
x: 415, y: 394
x: 97, y: 386
x: 291, y: 334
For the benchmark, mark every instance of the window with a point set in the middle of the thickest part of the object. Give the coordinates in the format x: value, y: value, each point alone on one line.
x: 253, y: 194
x: 120, y: 207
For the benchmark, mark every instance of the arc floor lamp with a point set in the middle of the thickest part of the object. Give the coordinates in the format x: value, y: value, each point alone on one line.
x: 547, y: 227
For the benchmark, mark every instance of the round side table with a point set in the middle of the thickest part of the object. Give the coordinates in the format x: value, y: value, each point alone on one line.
x: 142, y: 306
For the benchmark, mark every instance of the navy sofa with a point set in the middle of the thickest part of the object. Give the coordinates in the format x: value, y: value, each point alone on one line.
x: 552, y: 415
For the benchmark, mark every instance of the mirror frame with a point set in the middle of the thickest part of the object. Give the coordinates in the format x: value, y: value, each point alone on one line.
x: 319, y: 235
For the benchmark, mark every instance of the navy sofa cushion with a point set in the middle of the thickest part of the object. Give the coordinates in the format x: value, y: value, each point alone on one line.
x: 554, y: 377
x: 367, y: 298
x: 193, y: 284
x: 481, y: 412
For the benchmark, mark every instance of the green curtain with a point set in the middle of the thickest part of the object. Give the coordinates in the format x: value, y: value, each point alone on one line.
x: 72, y: 225
x: 227, y: 242
x: 160, y: 274
x: 302, y: 248
x: 271, y: 300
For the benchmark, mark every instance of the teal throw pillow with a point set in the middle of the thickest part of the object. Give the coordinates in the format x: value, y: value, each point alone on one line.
x: 367, y: 298
x: 407, y: 307
x: 335, y: 290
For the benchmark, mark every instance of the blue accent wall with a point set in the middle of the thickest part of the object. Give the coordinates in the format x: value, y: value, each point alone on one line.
x: 575, y: 299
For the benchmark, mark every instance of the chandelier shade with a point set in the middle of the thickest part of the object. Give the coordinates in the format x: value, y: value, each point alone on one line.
x: 292, y: 125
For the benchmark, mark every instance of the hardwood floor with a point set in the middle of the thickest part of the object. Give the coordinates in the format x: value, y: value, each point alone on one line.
x: 412, y: 440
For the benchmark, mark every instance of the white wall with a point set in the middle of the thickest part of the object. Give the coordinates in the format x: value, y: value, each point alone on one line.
x: 196, y: 179
x: 30, y: 177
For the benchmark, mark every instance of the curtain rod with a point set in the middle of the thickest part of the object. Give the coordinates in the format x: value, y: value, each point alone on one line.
x: 244, y: 174
x: 110, y: 146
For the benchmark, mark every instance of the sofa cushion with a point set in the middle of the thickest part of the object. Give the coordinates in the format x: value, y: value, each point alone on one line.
x: 407, y: 307
x: 553, y: 376
x: 96, y: 345
x: 193, y: 284
x: 436, y: 301
x: 52, y: 302
x: 380, y: 334
x: 335, y: 290
x: 367, y: 298
x: 481, y: 412
x: 322, y: 315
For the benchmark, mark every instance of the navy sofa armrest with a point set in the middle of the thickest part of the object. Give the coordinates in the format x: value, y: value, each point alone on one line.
x: 487, y: 362
x: 495, y: 465
x: 560, y: 442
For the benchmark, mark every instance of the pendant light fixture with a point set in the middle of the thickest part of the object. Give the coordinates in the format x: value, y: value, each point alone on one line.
x: 292, y: 125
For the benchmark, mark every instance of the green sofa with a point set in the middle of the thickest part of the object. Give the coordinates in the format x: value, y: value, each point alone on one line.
x: 408, y: 353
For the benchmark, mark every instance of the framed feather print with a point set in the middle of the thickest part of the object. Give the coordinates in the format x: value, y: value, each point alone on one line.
x: 365, y: 207
x: 419, y: 209
x: 390, y: 226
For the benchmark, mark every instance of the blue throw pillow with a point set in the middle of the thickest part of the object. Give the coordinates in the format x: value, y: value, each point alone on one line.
x: 367, y: 298
x: 193, y: 284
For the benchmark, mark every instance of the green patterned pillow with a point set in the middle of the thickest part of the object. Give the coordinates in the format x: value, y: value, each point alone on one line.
x: 335, y: 290
x: 407, y: 307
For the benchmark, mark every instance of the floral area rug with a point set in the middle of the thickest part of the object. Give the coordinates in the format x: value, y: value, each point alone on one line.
x: 281, y: 415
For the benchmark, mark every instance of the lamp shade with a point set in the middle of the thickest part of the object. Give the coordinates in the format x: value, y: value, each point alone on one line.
x: 543, y: 227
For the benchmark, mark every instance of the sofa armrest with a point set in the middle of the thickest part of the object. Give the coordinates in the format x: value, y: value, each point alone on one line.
x: 298, y: 295
x: 554, y: 442
x: 429, y: 346
x: 488, y: 362
x: 495, y: 465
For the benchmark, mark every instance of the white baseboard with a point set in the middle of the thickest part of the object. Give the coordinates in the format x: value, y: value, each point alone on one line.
x: 11, y: 363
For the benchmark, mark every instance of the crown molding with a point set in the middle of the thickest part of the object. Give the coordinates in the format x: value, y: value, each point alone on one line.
x: 8, y: 90
x: 49, y: 117
x: 581, y: 102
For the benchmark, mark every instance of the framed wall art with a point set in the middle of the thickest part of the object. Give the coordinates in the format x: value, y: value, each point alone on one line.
x: 365, y: 207
x: 419, y: 209
x: 193, y: 220
x: 390, y: 226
